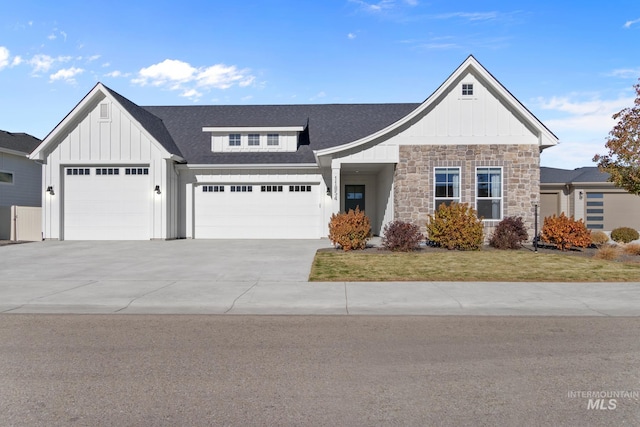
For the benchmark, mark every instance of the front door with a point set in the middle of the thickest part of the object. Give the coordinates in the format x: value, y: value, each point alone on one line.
x: 353, y: 197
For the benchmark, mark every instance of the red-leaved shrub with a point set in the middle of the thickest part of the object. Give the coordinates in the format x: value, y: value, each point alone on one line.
x: 401, y: 236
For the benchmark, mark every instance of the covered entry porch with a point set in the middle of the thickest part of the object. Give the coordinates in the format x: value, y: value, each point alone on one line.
x: 368, y: 186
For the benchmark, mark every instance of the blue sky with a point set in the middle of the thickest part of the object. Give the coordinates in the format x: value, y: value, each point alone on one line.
x: 573, y: 64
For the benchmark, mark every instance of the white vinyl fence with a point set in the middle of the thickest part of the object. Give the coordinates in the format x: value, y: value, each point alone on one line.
x: 20, y: 223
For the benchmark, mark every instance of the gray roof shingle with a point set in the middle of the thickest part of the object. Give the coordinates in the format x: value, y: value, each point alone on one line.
x: 563, y: 176
x: 327, y: 125
x: 22, y: 142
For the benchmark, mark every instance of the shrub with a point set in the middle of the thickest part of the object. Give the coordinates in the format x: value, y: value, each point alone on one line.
x: 350, y: 230
x: 401, y: 236
x: 565, y: 232
x: 509, y: 234
x: 456, y: 226
x: 599, y: 238
x: 624, y: 235
x: 632, y: 249
x: 608, y: 252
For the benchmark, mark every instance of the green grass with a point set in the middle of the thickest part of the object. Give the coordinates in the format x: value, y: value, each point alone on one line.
x: 480, y: 266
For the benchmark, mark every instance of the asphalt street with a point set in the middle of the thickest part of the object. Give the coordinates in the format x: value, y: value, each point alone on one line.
x: 181, y: 370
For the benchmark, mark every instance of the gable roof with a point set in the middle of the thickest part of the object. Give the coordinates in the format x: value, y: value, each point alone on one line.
x: 22, y: 143
x: 326, y: 125
x: 545, y: 137
x: 587, y: 174
x: 150, y: 124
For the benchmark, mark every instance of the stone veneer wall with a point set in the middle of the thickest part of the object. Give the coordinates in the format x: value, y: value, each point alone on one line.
x: 414, y: 175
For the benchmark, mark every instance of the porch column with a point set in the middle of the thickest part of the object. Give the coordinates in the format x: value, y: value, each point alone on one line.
x: 335, y: 187
x: 188, y: 214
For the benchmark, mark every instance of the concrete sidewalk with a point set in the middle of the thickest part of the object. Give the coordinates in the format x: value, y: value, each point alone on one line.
x: 260, y: 277
x: 263, y: 297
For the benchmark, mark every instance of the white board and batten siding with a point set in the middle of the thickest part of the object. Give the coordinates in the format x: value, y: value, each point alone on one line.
x: 477, y: 119
x: 111, y: 207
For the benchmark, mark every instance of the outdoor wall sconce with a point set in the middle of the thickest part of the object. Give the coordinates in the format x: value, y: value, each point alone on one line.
x: 50, y: 190
x: 580, y: 195
x: 157, y: 189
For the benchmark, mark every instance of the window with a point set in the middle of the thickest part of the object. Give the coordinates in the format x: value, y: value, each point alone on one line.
x: 6, y: 178
x: 273, y: 139
x: 271, y: 188
x: 254, y: 139
x: 234, y: 140
x: 489, y: 193
x: 104, y: 111
x: 136, y: 171
x: 299, y: 188
x: 447, y: 186
x: 595, y: 211
x: 241, y: 188
x: 467, y: 89
x: 78, y: 171
x: 213, y: 188
x: 107, y: 171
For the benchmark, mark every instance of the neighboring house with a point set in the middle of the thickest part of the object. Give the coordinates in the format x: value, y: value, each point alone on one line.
x: 121, y: 171
x: 20, y: 188
x: 20, y: 177
x: 585, y: 193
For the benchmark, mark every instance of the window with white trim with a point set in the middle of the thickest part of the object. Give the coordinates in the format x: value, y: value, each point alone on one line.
x: 446, y: 186
x: 78, y: 171
x: 489, y: 192
x: 104, y: 111
x: 136, y: 171
x: 273, y: 139
x: 300, y: 188
x: 241, y: 188
x: 467, y: 89
x: 6, y: 177
x: 107, y: 171
x: 213, y: 188
x: 254, y: 139
x: 234, y: 140
x: 271, y: 188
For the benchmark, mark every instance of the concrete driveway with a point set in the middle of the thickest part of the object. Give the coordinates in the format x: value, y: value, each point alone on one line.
x: 260, y: 277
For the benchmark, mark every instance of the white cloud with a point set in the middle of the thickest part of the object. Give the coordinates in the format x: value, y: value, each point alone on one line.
x: 93, y: 58
x: 67, y: 74
x: 192, y: 94
x: 375, y: 7
x: 626, y: 73
x: 593, y: 115
x: 351, y: 36
x: 179, y: 75
x: 582, y: 123
x: 628, y: 24
x: 470, y: 16
x: 17, y: 60
x: 41, y: 63
x: 117, y: 73
x: 220, y: 76
x: 4, y: 57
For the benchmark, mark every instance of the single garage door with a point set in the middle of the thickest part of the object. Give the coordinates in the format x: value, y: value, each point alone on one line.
x: 107, y: 203
x: 258, y: 211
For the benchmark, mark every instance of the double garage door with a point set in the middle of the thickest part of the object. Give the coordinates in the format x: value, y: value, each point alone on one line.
x: 257, y: 211
x: 107, y: 203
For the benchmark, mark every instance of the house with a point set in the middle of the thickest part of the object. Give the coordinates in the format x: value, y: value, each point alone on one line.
x: 116, y: 170
x: 585, y: 193
x: 20, y: 187
x: 20, y: 177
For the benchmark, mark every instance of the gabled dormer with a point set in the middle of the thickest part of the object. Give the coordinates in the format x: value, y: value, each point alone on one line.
x: 234, y: 139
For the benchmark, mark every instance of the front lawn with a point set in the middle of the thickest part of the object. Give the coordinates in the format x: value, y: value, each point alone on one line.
x: 471, y: 266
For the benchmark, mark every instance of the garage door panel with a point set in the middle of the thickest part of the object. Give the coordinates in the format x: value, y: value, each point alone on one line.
x: 257, y: 214
x: 113, y: 207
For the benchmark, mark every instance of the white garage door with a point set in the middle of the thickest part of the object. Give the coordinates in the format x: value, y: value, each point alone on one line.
x: 262, y: 211
x: 110, y: 203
